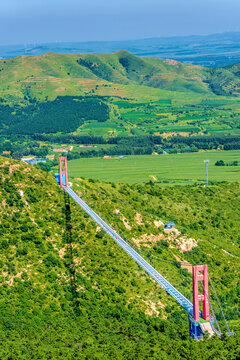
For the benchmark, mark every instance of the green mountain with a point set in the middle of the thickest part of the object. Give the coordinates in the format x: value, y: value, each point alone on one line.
x: 116, y: 94
x: 68, y: 291
x: 63, y: 74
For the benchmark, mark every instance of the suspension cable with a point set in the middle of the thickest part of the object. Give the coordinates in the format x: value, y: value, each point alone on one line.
x: 120, y: 201
x: 229, y: 332
x: 149, y: 255
x: 215, y: 318
x: 132, y: 243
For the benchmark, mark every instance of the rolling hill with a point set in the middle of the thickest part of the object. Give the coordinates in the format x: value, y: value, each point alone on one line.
x: 63, y: 74
x: 116, y: 94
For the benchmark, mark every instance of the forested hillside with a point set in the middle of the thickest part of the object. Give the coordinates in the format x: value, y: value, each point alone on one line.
x: 68, y: 291
x: 64, y: 114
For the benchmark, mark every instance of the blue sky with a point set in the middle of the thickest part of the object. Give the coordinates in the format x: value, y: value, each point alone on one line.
x: 25, y: 21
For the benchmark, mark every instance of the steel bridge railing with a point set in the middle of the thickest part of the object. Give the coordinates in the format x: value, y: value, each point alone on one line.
x: 170, y: 289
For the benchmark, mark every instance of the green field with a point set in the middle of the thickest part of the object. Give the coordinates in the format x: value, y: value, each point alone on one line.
x: 179, y: 169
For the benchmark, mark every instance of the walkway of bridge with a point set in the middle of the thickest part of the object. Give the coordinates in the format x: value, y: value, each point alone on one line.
x: 170, y: 289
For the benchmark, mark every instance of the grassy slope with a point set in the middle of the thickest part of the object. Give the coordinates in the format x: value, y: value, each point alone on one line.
x: 84, y: 282
x: 62, y: 74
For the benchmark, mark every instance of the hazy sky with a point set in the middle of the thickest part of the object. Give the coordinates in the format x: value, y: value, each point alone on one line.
x: 24, y: 21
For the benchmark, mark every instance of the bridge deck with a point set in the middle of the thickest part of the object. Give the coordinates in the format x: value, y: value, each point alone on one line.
x: 171, y: 290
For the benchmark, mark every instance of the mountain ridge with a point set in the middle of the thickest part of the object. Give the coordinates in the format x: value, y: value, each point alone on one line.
x: 208, y: 50
x: 62, y: 74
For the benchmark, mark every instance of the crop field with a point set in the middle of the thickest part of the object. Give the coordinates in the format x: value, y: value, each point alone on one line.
x: 179, y: 169
x: 167, y: 115
x: 200, y: 117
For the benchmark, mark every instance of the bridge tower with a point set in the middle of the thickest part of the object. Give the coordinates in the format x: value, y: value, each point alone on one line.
x: 62, y: 177
x: 199, y: 318
x: 200, y: 273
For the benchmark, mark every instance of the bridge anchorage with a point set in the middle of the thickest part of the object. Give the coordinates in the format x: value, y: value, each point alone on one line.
x: 200, y: 322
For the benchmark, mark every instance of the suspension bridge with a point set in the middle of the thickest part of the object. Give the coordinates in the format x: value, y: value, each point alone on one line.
x: 200, y: 322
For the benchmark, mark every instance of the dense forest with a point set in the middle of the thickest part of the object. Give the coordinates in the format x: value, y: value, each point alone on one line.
x: 68, y: 291
x: 64, y: 114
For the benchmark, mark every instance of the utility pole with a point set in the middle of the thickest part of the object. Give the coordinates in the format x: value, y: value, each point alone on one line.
x: 206, y: 167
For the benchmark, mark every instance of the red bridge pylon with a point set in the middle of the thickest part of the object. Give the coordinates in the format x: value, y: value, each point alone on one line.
x: 200, y: 273
x: 63, y: 171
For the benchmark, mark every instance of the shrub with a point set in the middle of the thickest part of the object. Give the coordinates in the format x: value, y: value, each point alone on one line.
x: 120, y: 290
x: 4, y: 244
x: 27, y: 237
x: 100, y: 234
x: 47, y: 232
x: 51, y: 261
x: 220, y: 163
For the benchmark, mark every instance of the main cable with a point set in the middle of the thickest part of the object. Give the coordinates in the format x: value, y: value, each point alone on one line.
x: 212, y: 309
